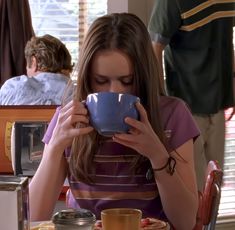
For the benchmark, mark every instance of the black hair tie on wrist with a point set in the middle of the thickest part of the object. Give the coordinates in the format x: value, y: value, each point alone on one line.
x: 170, y: 168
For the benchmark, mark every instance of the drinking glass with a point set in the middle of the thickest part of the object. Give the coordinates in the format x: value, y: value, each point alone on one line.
x: 121, y: 219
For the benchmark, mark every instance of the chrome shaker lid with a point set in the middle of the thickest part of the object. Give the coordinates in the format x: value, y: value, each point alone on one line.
x: 79, y: 217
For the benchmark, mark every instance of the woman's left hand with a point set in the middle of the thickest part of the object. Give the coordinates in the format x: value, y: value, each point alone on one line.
x: 141, y: 137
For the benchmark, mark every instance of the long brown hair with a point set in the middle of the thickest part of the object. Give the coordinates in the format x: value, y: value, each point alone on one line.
x: 127, y: 33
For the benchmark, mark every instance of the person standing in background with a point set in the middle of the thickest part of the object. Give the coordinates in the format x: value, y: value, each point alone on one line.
x: 196, y: 36
x: 48, y: 69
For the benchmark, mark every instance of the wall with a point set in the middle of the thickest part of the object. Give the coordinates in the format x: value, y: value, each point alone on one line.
x: 142, y: 8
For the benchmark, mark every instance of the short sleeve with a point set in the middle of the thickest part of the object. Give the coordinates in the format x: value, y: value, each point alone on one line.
x: 164, y: 21
x: 179, y: 124
x: 51, y: 126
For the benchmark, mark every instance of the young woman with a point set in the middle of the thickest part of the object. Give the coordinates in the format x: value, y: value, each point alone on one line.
x: 151, y: 167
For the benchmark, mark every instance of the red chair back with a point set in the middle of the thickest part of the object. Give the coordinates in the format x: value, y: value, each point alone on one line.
x: 210, y: 197
x: 211, y: 194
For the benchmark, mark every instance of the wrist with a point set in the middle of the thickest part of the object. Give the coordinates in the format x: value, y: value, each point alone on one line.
x: 55, y: 149
x: 159, y: 158
x: 169, y: 166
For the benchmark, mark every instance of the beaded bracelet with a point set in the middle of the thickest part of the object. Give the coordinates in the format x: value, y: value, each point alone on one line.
x: 170, y: 168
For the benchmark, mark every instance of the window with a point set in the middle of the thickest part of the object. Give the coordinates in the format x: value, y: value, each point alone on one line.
x: 227, y: 202
x: 67, y: 20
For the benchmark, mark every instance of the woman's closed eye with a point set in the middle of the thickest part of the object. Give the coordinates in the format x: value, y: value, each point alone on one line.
x: 101, y: 80
x: 127, y: 80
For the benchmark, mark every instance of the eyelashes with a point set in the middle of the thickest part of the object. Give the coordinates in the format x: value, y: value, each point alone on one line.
x: 127, y: 81
x: 124, y: 81
x: 101, y: 81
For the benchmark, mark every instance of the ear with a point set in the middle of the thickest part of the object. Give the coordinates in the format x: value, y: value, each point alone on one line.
x: 34, y: 64
x: 32, y: 70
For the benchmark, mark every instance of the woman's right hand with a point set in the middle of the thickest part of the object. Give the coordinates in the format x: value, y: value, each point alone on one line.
x: 73, y: 121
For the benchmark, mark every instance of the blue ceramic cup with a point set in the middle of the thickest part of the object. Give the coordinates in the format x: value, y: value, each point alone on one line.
x: 108, y: 110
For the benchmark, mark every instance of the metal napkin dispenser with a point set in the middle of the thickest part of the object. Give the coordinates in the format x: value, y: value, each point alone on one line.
x: 14, y: 203
x: 27, y: 146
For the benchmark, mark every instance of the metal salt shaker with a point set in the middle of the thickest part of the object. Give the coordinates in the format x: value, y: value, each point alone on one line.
x: 74, y: 219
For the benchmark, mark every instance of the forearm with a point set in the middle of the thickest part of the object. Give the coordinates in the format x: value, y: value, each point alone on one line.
x: 178, y: 192
x: 178, y: 202
x: 45, y: 187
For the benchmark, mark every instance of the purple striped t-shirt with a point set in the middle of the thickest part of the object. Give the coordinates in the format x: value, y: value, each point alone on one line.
x: 114, y: 184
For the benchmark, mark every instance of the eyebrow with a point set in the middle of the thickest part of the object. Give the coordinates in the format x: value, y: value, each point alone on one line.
x: 122, y: 76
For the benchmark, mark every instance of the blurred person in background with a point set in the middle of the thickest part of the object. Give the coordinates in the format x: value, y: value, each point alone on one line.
x: 197, y: 39
x: 48, y: 69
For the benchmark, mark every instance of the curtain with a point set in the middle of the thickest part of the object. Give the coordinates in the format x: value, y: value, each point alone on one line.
x: 82, y: 21
x: 15, y: 30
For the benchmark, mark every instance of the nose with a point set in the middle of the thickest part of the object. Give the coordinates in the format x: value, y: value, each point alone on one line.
x: 116, y: 87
